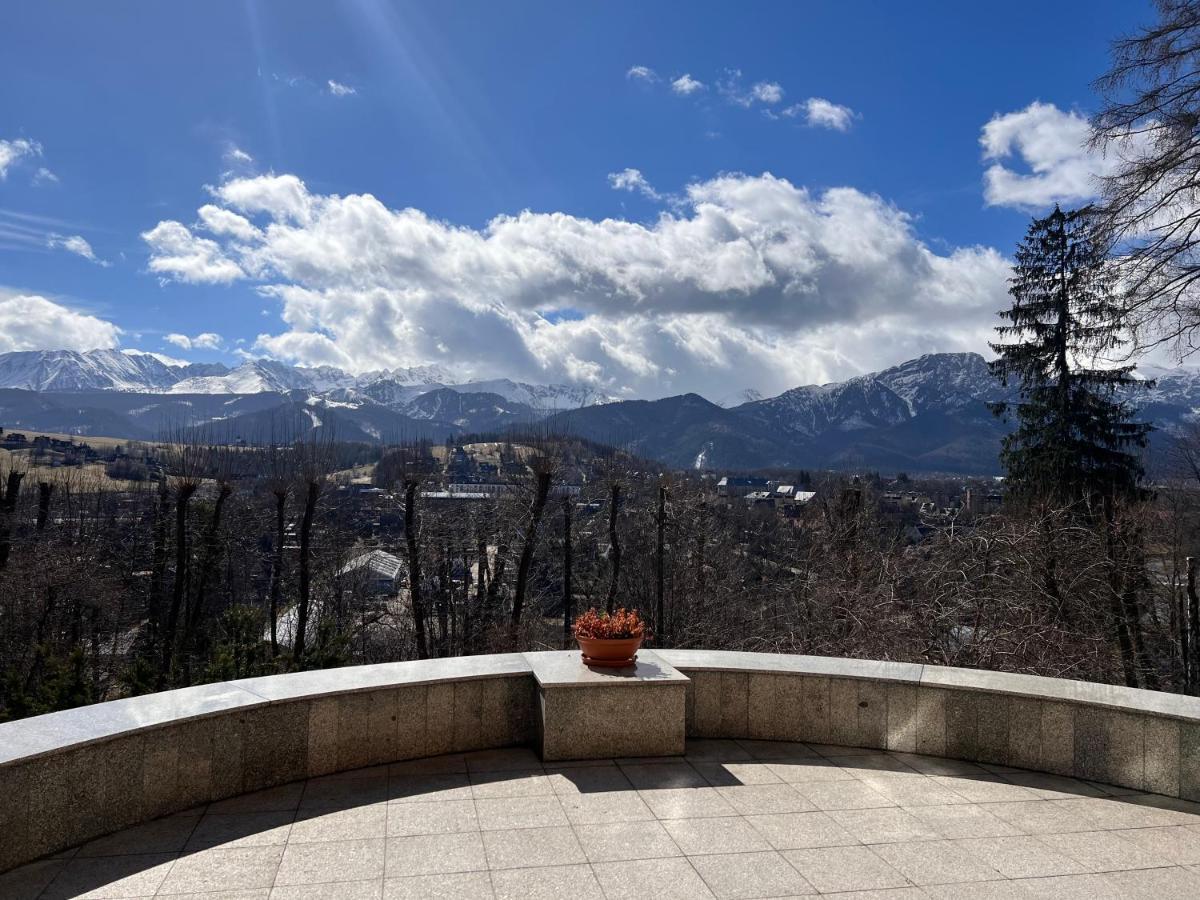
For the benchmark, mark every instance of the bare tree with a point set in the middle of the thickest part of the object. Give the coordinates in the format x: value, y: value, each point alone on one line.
x: 543, y: 470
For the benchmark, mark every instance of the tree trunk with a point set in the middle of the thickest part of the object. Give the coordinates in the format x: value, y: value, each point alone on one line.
x: 45, y: 491
x: 1193, y: 625
x: 542, y: 491
x: 179, y: 588
x: 660, y: 573
x: 276, y: 586
x: 614, y: 546
x: 8, y: 507
x: 568, y: 587
x: 414, y: 566
x: 208, y: 564
x: 311, y: 495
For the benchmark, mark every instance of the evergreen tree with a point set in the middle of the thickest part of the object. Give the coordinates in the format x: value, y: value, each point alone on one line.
x: 1075, y: 438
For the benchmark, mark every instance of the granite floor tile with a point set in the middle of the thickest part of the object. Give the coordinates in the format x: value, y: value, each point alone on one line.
x: 615, y: 806
x: 715, y: 749
x: 508, y: 783
x: 111, y: 876
x: 1156, y: 884
x: 343, y: 890
x: 744, y: 876
x: 935, y: 862
x: 1039, y: 817
x: 963, y: 821
x: 721, y: 835
x: 883, y: 826
x: 429, y: 788
x: 519, y: 812
x: 798, y: 831
x: 1169, y: 845
x: 447, y: 817
x: 800, y: 771
x: 985, y: 790
x: 588, y: 780
x: 242, y: 829
x: 284, y: 797
x: 626, y: 840
x: 453, y: 886
x: 28, y: 881
x: 223, y: 869
x: 664, y: 776
x: 1101, y: 851
x: 356, y: 823
x: 434, y: 854
x: 776, y: 749
x: 651, y: 879
x: 506, y: 759
x: 766, y: 798
x: 347, y: 793
x: 1021, y: 857
x: 733, y: 774
x: 851, y: 794
x: 167, y: 835
x: 834, y: 869
x: 686, y: 803
x: 547, y: 883
x: 314, y: 863
x: 450, y: 764
x: 528, y: 847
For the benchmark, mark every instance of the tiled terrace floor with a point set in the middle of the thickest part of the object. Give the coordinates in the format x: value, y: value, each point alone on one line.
x: 732, y: 820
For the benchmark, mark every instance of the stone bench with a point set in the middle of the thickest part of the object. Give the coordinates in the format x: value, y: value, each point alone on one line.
x: 71, y: 776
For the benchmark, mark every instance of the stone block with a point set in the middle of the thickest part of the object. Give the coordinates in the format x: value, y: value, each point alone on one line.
x: 931, y: 721
x: 843, y: 712
x: 605, y: 723
x: 119, y: 762
x: 468, y: 716
x: 1162, y: 756
x: 735, y: 705
x: 992, y: 723
x: 1024, y: 733
x: 1057, y: 755
x: 1189, y: 760
x: 439, y: 719
x: 962, y: 725
x: 228, y: 765
x: 763, y: 711
x: 592, y: 713
x: 872, y: 715
x: 1091, y: 744
x: 707, y: 688
x: 160, y: 772
x: 1126, y: 757
x: 275, y: 748
x: 381, y: 727
x: 902, y: 717
x: 353, y: 730
x: 323, y: 736
x: 15, y: 848
x: 815, y: 692
x: 410, y: 722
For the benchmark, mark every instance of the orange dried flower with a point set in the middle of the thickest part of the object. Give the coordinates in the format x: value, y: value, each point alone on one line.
x: 597, y: 625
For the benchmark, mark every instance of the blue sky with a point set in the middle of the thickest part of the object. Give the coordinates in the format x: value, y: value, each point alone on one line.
x: 118, y: 117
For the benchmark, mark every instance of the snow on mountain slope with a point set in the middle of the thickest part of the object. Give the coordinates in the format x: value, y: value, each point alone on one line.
x: 94, y: 370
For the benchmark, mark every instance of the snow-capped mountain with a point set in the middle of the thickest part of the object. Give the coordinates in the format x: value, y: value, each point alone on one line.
x: 95, y: 370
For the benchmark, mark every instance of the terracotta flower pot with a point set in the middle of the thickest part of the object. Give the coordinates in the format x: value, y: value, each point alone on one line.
x: 612, y: 652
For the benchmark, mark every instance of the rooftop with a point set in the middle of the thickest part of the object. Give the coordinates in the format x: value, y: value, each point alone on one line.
x: 732, y: 818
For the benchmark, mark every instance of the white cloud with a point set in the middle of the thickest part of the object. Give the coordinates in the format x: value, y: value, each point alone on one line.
x: 767, y: 92
x: 641, y: 73
x: 341, y: 90
x: 821, y: 113
x: 178, y: 254
x: 1052, y: 145
x: 236, y: 154
x: 685, y: 84
x: 31, y: 322
x: 44, y: 176
x: 750, y: 281
x: 205, y: 341
x: 634, y: 181
x: 76, y: 244
x: 11, y: 152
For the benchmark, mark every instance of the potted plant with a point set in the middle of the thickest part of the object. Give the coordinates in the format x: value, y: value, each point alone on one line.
x: 610, y: 639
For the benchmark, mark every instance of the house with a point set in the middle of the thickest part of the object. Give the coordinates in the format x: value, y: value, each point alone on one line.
x: 740, y: 486
x: 382, y: 572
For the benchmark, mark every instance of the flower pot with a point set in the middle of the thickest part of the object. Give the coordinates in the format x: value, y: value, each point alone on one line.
x: 609, y: 652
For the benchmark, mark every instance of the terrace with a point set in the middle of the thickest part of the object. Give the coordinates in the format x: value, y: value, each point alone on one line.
x: 502, y: 776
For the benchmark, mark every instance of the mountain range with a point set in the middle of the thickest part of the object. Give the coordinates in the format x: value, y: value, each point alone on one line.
x: 927, y: 414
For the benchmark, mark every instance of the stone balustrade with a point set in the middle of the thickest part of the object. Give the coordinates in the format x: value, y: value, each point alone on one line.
x: 73, y: 775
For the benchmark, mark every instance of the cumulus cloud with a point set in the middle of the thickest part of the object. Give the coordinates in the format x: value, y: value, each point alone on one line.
x: 179, y: 254
x: 767, y: 92
x: 685, y: 84
x: 337, y: 89
x: 749, y: 281
x: 31, y: 322
x: 634, y: 181
x: 641, y: 73
x: 12, y: 152
x: 76, y: 244
x: 821, y: 113
x: 205, y: 341
x: 1052, y: 146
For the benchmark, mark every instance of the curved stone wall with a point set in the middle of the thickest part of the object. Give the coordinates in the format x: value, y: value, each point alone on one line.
x: 70, y: 776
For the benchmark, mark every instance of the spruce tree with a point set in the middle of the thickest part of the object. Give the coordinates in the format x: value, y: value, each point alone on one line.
x: 1075, y: 438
